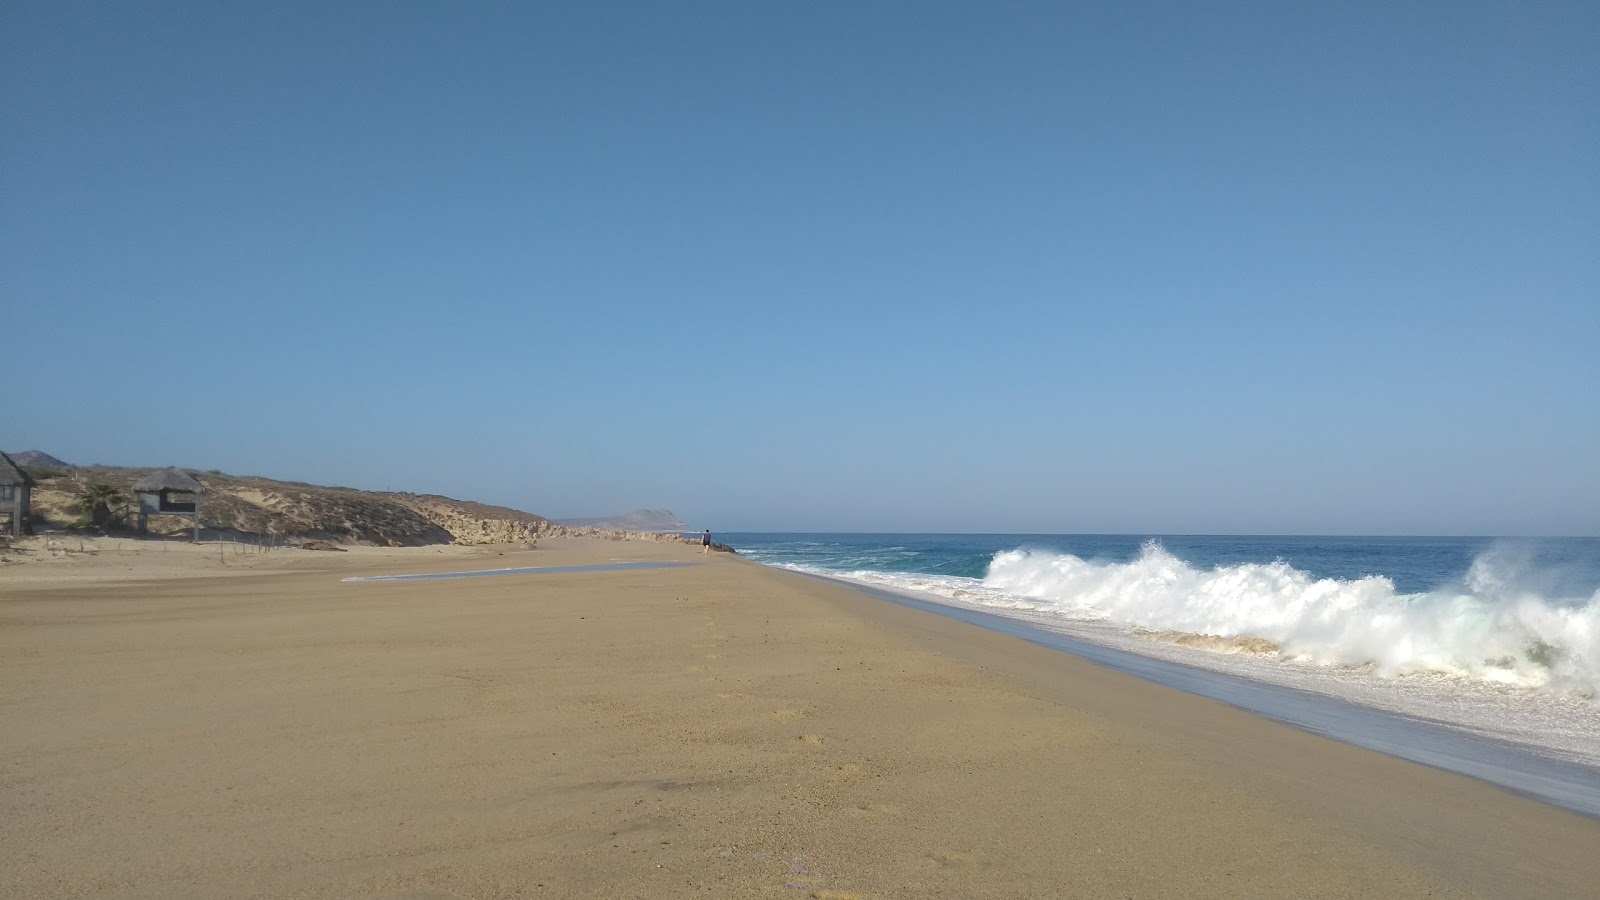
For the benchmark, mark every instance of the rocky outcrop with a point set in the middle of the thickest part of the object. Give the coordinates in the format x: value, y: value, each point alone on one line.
x: 638, y: 520
x: 476, y: 523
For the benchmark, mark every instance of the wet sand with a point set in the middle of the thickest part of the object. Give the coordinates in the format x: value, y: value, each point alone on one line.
x: 717, y: 729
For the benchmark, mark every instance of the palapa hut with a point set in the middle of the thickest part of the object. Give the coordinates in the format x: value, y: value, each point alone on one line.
x: 169, y: 492
x: 16, y: 489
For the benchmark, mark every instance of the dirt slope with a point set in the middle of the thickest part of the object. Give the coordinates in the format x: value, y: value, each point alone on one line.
x: 249, y: 507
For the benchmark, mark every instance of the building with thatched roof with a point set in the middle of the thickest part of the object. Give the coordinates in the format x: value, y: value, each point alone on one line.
x: 16, y: 490
x: 168, y: 492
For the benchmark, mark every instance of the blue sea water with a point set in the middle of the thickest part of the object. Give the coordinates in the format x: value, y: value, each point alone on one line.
x: 1500, y: 637
x: 1568, y: 566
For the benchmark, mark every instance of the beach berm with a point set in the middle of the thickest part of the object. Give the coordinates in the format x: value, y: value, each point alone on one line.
x: 714, y: 729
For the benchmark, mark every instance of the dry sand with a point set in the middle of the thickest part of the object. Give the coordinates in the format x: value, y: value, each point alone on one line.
x: 73, y: 560
x: 716, y: 730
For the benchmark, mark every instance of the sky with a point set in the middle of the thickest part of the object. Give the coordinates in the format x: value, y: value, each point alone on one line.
x: 977, y: 267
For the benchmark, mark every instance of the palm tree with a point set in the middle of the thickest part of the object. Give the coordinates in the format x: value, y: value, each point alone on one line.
x: 102, y: 505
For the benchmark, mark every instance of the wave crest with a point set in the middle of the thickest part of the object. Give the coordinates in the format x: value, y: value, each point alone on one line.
x: 1496, y: 625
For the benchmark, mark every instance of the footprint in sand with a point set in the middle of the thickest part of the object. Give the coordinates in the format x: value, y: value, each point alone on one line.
x: 813, y: 739
x: 958, y: 859
x: 872, y: 811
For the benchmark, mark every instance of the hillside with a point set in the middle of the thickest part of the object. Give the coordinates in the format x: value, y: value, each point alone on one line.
x: 249, y: 507
x: 638, y: 520
x: 38, y: 459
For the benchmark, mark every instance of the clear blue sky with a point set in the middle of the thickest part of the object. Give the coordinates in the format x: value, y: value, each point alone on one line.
x: 1047, y: 266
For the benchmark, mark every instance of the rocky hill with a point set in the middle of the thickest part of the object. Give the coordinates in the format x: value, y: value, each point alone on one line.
x: 249, y: 507
x: 38, y: 459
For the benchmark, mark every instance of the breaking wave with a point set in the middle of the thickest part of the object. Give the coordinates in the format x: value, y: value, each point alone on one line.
x: 1501, y: 623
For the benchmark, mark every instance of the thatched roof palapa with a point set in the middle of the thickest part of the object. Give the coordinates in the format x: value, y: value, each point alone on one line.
x: 11, y: 474
x: 169, y: 479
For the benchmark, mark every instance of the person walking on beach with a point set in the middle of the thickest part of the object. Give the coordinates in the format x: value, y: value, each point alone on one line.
x: 705, y: 543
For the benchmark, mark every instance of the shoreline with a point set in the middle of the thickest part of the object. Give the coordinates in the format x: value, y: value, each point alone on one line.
x: 720, y: 727
x: 1417, y: 666
x: 1565, y: 783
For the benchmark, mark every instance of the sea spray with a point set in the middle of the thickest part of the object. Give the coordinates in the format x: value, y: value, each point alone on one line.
x: 1494, y: 626
x: 1529, y: 679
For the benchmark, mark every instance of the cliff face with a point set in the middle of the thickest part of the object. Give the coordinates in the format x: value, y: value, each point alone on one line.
x: 475, y: 523
x: 623, y: 534
x: 250, y: 508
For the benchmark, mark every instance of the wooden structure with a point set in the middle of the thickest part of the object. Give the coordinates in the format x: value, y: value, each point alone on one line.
x: 16, y: 490
x: 169, y: 492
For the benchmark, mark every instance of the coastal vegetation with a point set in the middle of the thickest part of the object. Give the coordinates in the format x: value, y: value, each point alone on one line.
x: 251, y: 508
x: 101, y: 506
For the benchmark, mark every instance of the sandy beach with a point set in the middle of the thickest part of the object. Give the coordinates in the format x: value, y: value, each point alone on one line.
x: 192, y: 726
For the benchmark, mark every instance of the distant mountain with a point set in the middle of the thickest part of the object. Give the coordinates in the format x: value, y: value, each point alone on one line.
x: 638, y: 520
x: 38, y: 459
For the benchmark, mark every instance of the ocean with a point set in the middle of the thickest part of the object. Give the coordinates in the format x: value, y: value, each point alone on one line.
x: 1489, y: 637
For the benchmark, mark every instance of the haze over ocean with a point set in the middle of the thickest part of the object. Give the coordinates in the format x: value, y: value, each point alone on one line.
x: 1146, y: 268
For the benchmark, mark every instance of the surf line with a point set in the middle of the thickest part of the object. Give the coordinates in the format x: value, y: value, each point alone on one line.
x: 1518, y: 768
x: 525, y: 570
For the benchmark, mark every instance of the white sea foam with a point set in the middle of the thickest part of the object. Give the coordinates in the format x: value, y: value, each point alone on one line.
x: 1504, y: 653
x: 1501, y: 624
x: 1495, y: 626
